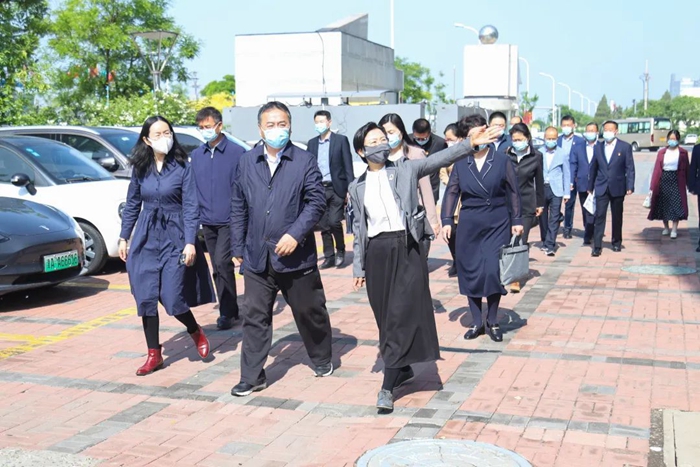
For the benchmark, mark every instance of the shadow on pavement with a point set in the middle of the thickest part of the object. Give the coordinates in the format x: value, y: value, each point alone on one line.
x: 58, y: 294
x: 181, y: 345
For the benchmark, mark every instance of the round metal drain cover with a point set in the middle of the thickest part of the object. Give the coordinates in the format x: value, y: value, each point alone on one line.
x: 441, y: 453
x: 660, y: 270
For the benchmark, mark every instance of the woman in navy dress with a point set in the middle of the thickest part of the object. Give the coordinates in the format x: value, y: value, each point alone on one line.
x: 487, y: 185
x: 164, y: 261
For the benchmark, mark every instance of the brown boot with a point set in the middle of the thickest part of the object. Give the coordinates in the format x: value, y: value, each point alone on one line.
x: 201, y: 342
x: 154, y: 362
x: 515, y: 287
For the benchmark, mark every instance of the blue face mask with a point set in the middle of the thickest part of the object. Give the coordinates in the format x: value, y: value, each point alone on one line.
x: 567, y: 130
x: 209, y: 134
x: 590, y: 136
x: 321, y: 128
x: 672, y: 143
x: 550, y: 143
x: 277, y: 138
x: 608, y: 136
x: 394, y: 140
x: 483, y: 146
x: 520, y: 146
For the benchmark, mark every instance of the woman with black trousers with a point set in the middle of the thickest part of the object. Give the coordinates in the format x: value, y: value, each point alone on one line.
x: 487, y: 185
x: 389, y: 225
x: 164, y: 262
x: 528, y: 167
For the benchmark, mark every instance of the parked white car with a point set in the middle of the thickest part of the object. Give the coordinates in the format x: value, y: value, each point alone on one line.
x: 691, y: 138
x: 57, y: 175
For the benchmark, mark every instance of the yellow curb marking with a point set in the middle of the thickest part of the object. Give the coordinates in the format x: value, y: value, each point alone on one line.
x: 34, y: 342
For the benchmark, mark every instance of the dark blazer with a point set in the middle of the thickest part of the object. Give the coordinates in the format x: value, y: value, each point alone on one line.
x: 618, y: 176
x: 264, y: 208
x: 340, y: 161
x: 694, y: 172
x: 530, y: 180
x: 578, y: 158
x: 506, y: 142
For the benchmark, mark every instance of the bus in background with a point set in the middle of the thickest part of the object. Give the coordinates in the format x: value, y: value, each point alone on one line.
x: 644, y: 133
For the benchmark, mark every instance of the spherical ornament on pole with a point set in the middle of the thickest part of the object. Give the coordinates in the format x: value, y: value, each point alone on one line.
x: 488, y: 35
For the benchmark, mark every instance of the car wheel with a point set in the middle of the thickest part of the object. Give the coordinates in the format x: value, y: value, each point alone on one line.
x: 95, y: 250
x: 635, y: 147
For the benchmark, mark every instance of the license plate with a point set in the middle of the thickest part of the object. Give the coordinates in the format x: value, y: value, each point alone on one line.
x: 60, y: 261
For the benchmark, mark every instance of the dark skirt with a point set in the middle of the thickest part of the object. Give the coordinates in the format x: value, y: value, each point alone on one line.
x: 670, y: 205
x: 396, y: 276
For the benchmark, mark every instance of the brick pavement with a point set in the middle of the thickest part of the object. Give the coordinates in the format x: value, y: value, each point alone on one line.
x: 589, y: 351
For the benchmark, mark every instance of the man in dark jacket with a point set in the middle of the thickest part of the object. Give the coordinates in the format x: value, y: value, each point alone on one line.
x: 277, y: 200
x: 694, y: 179
x: 214, y: 165
x: 575, y: 147
x: 332, y: 152
x: 431, y: 143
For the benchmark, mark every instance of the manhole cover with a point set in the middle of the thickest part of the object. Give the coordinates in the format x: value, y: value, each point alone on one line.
x: 441, y: 453
x: 659, y: 270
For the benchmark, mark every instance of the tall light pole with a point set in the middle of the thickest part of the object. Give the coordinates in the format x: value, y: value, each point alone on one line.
x: 582, y: 97
x: 158, y: 56
x: 569, y: 88
x: 554, y: 97
x: 527, y: 81
x: 589, y: 106
x: 391, y: 24
x: 646, y: 77
x: 464, y: 26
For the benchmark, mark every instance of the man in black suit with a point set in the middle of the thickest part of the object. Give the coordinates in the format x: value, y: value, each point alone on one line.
x: 694, y: 179
x: 332, y: 152
x: 612, y: 177
x: 431, y: 143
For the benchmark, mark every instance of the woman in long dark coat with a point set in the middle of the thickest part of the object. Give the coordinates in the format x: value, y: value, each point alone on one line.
x: 669, y: 181
x: 164, y: 261
x: 487, y: 184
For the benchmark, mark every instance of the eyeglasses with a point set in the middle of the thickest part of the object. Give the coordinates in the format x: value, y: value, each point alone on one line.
x: 157, y: 136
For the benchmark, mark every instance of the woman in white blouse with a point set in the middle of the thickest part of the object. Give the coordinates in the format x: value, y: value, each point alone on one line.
x: 669, y: 181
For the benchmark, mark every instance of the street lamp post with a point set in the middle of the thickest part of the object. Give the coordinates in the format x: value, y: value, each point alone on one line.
x: 569, y: 88
x: 589, y: 106
x: 554, y: 97
x: 527, y: 80
x: 158, y: 56
x: 464, y: 26
x: 582, y: 97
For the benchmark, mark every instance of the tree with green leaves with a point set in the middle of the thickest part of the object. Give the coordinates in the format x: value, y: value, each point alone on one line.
x: 227, y: 84
x: 419, y: 84
x: 527, y: 105
x: 603, y: 111
x: 96, y: 54
x: 21, y: 29
x: 581, y: 118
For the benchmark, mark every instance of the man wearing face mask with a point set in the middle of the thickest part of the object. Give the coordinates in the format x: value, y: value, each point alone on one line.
x: 611, y: 178
x: 498, y: 120
x: 278, y: 199
x: 431, y: 143
x: 214, y: 164
x: 557, y: 182
x: 335, y: 163
x: 574, y: 148
x: 580, y: 168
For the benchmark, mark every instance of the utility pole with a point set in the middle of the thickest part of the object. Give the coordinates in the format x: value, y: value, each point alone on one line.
x: 391, y: 24
x: 195, y: 85
x: 645, y: 79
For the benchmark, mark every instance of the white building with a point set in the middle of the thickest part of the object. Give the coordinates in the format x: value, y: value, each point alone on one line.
x: 684, y: 87
x: 327, y: 66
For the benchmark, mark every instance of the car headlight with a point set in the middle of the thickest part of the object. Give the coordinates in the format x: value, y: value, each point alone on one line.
x: 120, y: 209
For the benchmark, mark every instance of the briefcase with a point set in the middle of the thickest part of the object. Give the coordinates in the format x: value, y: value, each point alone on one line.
x: 514, y: 261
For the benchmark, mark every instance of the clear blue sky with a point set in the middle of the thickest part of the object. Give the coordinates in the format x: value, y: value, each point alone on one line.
x: 596, y: 47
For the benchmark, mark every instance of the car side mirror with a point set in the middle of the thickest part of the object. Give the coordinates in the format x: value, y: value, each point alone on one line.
x: 22, y: 180
x: 109, y: 163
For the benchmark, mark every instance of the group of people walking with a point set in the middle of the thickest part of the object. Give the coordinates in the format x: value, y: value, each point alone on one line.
x: 259, y: 210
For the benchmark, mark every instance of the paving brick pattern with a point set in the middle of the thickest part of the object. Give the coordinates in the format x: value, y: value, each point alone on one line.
x: 590, y: 350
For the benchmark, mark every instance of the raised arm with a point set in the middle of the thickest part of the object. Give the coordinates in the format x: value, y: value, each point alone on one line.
x: 133, y: 207
x: 444, y: 158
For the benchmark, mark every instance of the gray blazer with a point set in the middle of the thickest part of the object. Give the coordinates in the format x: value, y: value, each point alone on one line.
x: 403, y: 176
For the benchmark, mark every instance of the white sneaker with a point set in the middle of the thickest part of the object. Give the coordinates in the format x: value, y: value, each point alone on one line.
x: 674, y: 235
x: 664, y: 232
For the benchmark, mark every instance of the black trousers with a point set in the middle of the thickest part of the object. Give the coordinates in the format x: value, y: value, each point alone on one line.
x: 331, y: 223
x: 528, y: 223
x: 588, y: 218
x: 218, y: 241
x: 550, y: 219
x: 617, y: 204
x: 699, y: 216
x: 569, y: 212
x: 303, y: 291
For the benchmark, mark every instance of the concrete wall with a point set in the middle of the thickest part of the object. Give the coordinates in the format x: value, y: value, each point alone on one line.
x: 368, y: 66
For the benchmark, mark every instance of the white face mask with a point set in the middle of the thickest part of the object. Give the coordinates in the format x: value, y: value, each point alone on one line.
x: 162, y: 145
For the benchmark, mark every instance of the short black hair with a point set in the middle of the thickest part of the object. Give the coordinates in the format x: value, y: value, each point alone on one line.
x: 466, y: 123
x: 594, y: 124
x: 611, y: 122
x: 322, y: 113
x: 207, y: 112
x: 421, y: 126
x: 676, y: 133
x: 272, y: 105
x: 521, y: 128
x: 568, y: 118
x: 358, y: 141
x: 451, y: 127
x: 497, y: 115
x: 397, y: 121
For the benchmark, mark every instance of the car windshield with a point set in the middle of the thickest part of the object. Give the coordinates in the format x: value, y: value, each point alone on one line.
x: 124, y: 140
x: 63, y: 163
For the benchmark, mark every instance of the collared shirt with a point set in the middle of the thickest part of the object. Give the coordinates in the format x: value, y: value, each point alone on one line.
x: 566, y: 143
x: 383, y: 213
x: 671, y: 158
x: 548, y: 158
x: 610, y: 149
x: 324, y: 158
x: 590, y: 151
x: 272, y: 162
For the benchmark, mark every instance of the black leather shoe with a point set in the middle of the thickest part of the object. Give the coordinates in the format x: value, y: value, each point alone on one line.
x: 596, y: 252
x: 328, y: 263
x: 452, y: 272
x: 322, y: 371
x: 243, y: 389
x: 495, y: 332
x: 223, y: 323
x: 567, y: 234
x: 474, y: 332
x: 617, y: 248
x: 587, y: 242
x: 340, y: 259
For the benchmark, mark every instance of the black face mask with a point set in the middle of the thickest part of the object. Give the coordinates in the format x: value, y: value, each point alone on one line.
x: 378, y: 154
